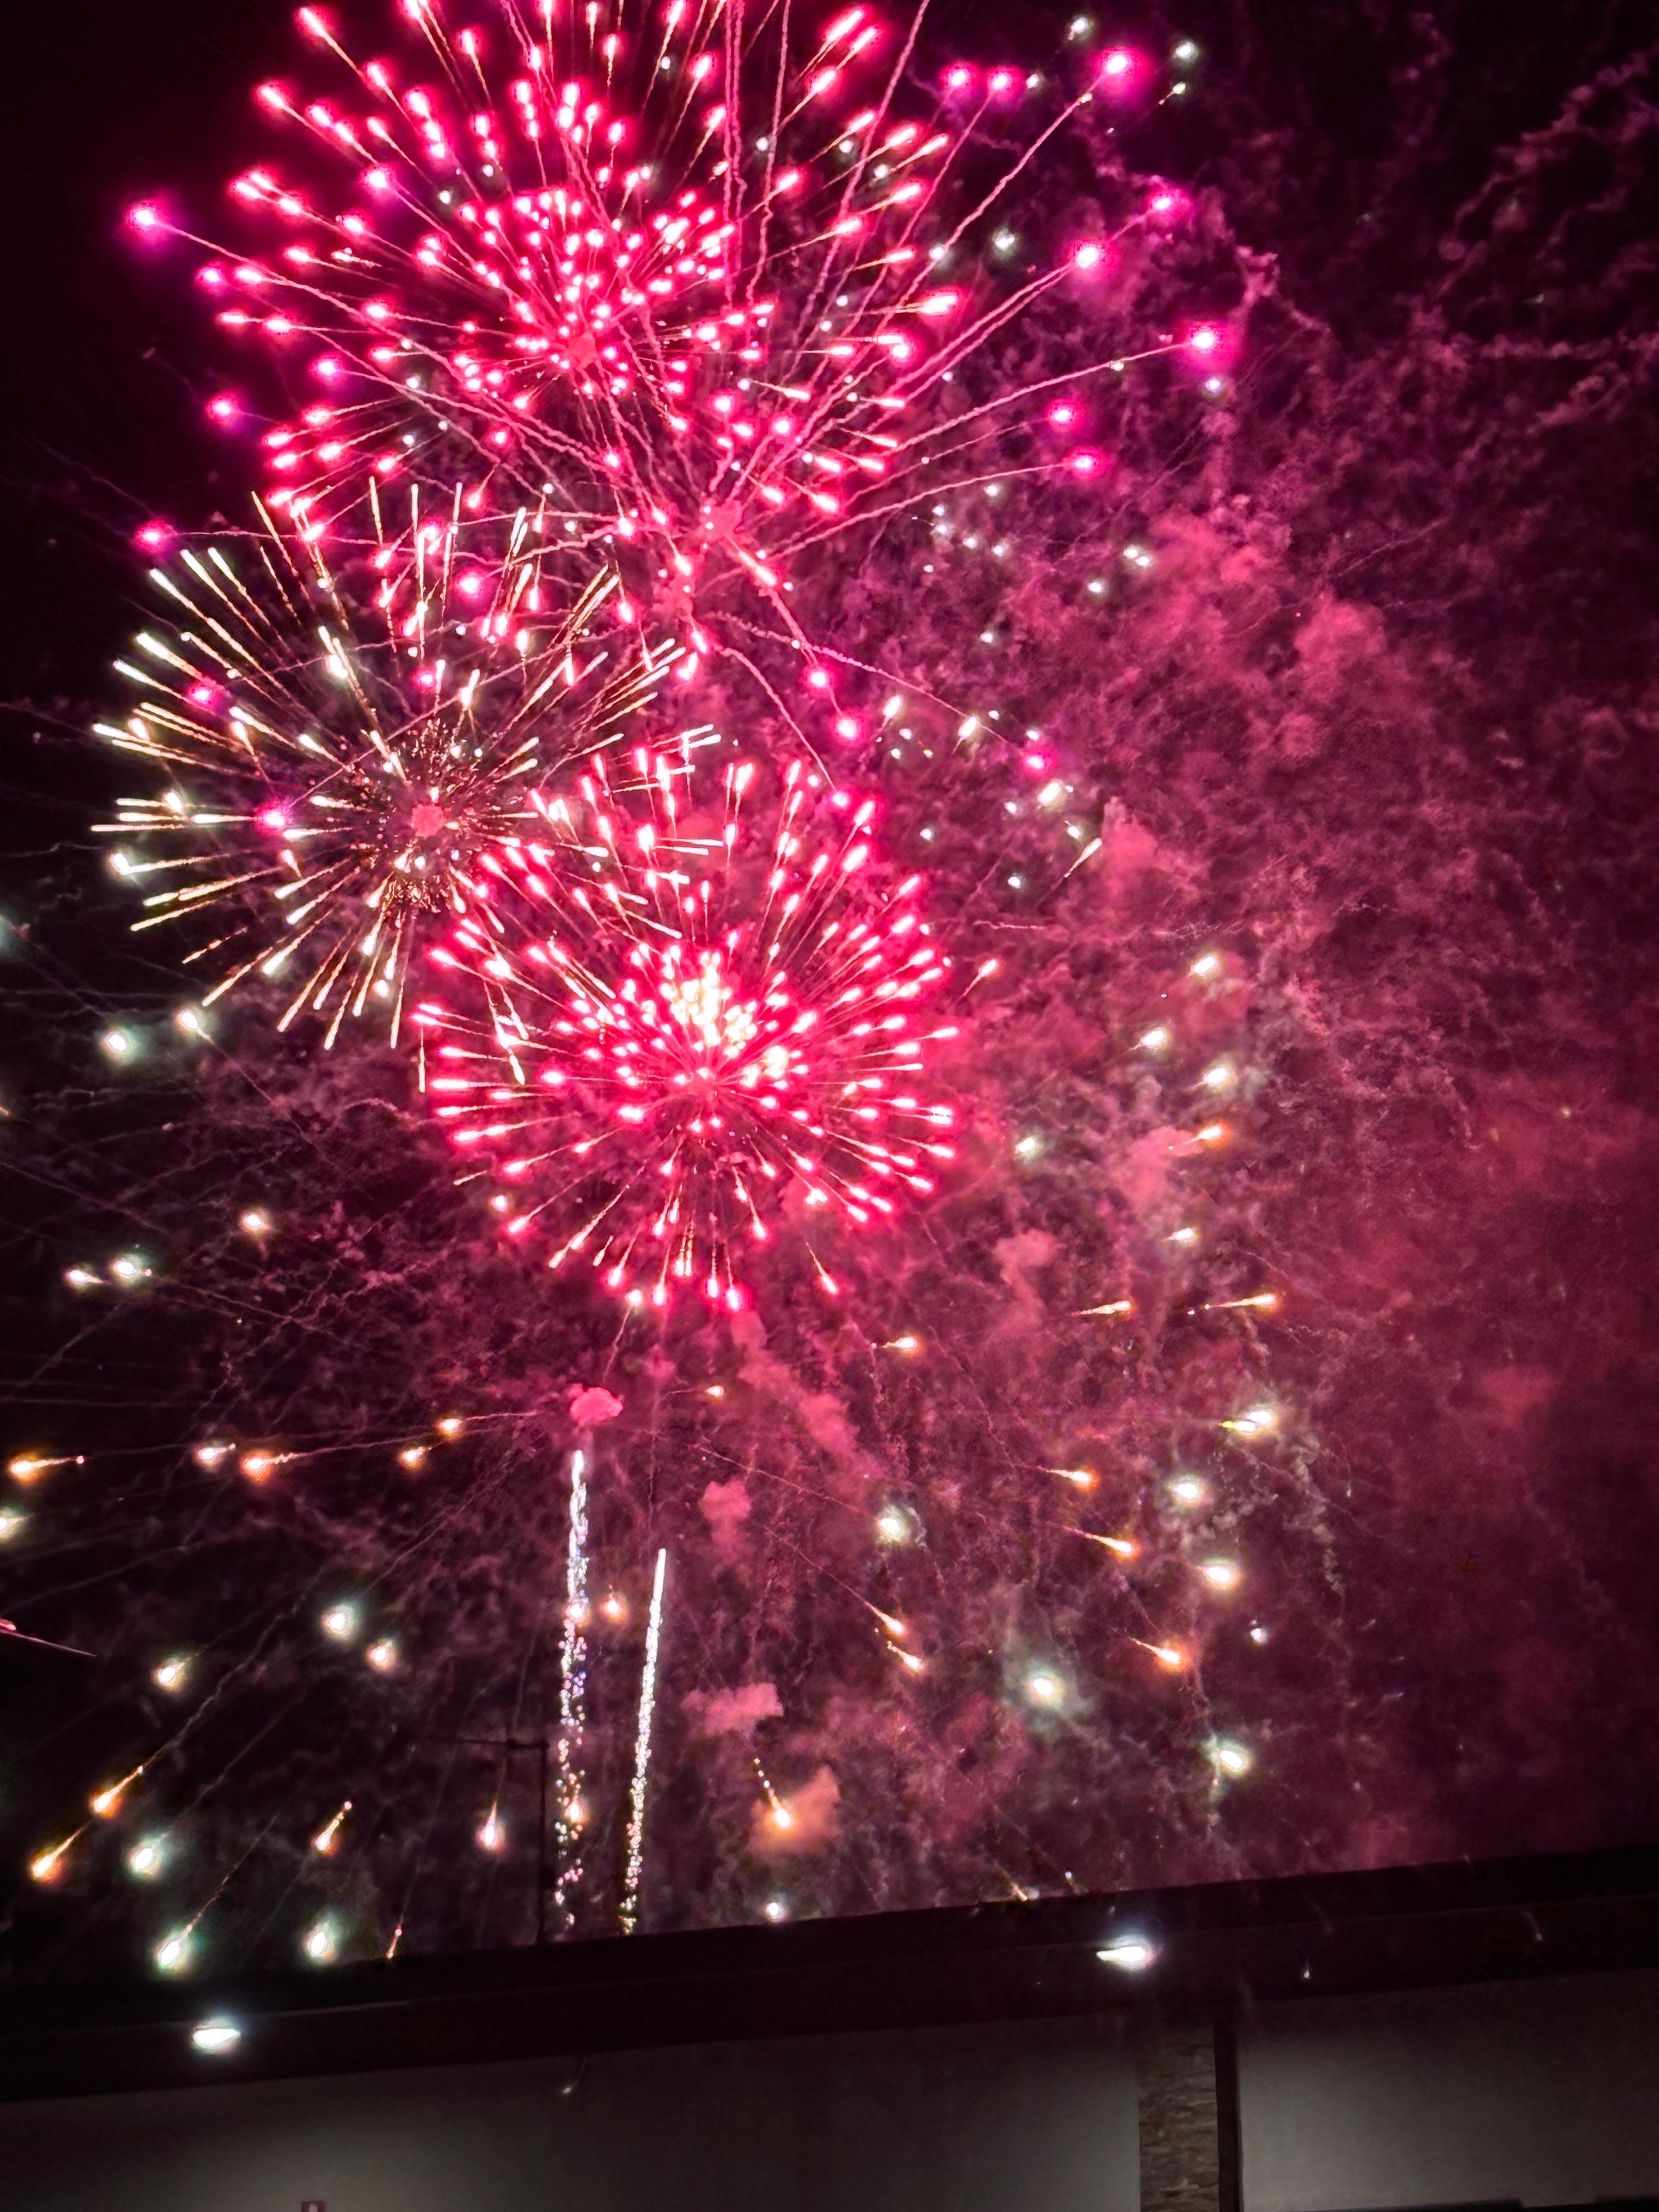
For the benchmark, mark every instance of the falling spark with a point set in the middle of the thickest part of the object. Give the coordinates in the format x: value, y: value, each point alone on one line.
x: 28, y: 1466
x: 1080, y: 1477
x: 328, y: 1835
x: 1123, y: 1547
x: 108, y: 1802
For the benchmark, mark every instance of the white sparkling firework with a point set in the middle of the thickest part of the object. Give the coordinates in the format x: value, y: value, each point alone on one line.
x: 630, y: 1907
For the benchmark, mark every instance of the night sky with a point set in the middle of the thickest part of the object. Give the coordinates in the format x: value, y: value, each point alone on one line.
x: 1350, y: 668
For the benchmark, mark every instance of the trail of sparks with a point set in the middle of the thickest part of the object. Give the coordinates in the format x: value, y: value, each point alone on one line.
x: 630, y: 1905
x: 572, y: 1695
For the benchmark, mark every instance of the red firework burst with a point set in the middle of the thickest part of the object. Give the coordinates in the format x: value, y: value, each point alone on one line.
x: 703, y: 1002
x: 664, y: 268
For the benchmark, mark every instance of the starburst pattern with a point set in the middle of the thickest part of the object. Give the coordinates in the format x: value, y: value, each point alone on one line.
x: 726, y: 1024
x: 335, y: 747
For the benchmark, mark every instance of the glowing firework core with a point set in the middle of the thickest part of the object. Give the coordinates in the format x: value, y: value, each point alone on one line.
x: 705, y: 1031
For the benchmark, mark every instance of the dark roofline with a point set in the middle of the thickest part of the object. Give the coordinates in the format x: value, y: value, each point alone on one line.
x: 1221, y: 1946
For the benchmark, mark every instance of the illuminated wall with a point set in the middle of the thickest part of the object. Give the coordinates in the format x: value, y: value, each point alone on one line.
x: 1547, y: 2092
x: 1040, y: 2118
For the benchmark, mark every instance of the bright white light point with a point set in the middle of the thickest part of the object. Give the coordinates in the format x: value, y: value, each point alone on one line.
x: 491, y: 1835
x: 892, y: 1525
x: 1189, y: 1489
x: 1213, y: 385
x: 1220, y: 1075
x: 255, y: 1223
x: 1155, y: 1040
x: 119, y: 1045
x: 1187, y: 1236
x: 1130, y: 1955
x: 171, y: 1953
x: 777, y: 1908
x: 322, y: 1940
x: 12, y: 1522
x: 340, y: 1622
x: 1027, y: 1148
x: 1079, y: 27
x: 383, y: 1656
x: 127, y: 1267
x: 1253, y: 1421
x: 1222, y: 1574
x: 189, y: 1019
x: 216, y: 2035
x: 147, y: 1858
x: 1045, y: 1687
x: 170, y: 1674
x: 1005, y: 241
x: 1186, y: 53
x: 1258, y: 1634
x: 1230, y: 1757
x: 1206, y: 966
x: 1097, y: 587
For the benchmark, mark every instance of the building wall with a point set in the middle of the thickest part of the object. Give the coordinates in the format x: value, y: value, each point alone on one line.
x: 1038, y: 2119
x: 1544, y: 2091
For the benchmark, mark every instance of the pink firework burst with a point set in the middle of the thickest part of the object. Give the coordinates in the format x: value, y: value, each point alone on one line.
x: 672, y: 268
x: 697, y: 1004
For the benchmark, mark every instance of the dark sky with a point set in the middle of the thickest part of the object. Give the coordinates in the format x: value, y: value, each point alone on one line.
x: 1380, y: 723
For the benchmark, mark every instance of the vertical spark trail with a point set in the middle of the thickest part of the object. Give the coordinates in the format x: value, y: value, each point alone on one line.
x: 631, y: 1906
x: 572, y: 1688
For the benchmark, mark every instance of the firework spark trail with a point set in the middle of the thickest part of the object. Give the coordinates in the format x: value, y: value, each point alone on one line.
x: 572, y: 1693
x: 689, y: 284
x: 723, y: 1025
x: 630, y: 1905
x: 336, y: 749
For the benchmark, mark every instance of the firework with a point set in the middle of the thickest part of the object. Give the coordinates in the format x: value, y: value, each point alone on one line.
x: 707, y: 284
x: 727, y: 1022
x: 572, y: 1688
x: 335, y: 747
x: 635, y: 1866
